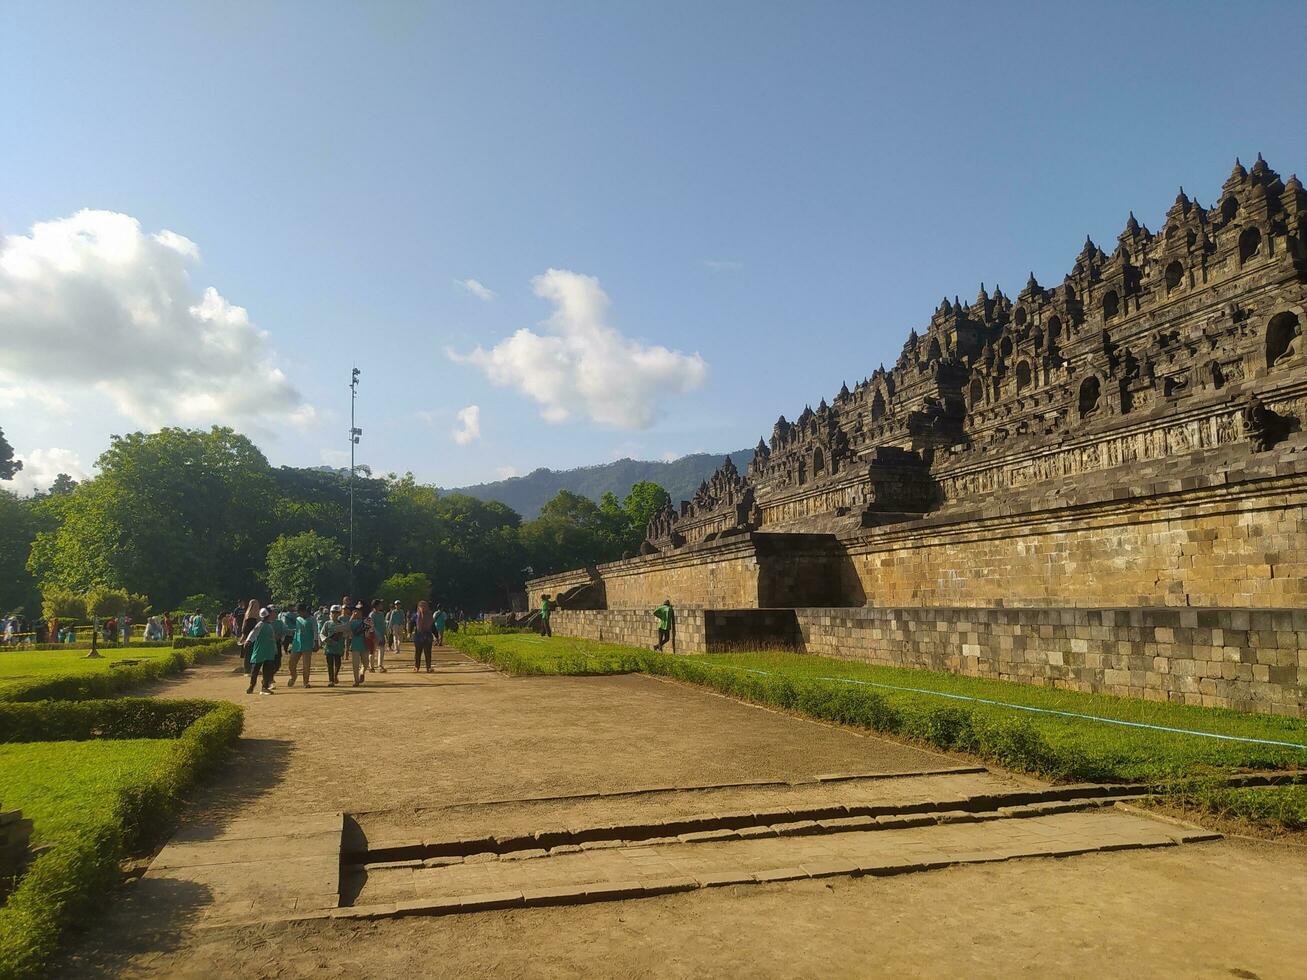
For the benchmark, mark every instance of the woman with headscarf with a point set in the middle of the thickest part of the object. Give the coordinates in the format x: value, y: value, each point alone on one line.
x: 250, y: 621
x: 423, y: 634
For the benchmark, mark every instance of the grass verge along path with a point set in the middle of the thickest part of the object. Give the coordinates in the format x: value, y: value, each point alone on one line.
x: 96, y: 801
x: 912, y: 704
x: 67, y: 674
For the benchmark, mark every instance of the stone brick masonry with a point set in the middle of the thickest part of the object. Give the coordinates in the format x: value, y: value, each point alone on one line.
x: 1100, y: 485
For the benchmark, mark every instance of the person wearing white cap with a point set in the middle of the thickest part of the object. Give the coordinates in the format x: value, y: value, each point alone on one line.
x: 333, y: 644
x: 395, y: 626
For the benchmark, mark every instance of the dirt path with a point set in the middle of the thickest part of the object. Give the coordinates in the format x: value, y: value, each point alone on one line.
x: 405, y: 745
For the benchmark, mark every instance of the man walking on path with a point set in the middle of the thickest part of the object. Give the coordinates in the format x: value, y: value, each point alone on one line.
x: 546, y: 607
x: 263, y: 646
x: 438, y: 622
x: 333, y: 645
x: 303, y: 643
x: 377, y: 655
x: 395, y: 626
x: 666, y: 617
x: 356, y: 630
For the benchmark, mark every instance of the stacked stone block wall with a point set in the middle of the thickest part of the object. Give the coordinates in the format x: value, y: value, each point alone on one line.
x: 633, y: 627
x: 1239, y: 545
x: 1251, y: 660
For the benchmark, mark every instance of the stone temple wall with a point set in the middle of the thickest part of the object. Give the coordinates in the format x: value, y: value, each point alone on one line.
x: 1101, y: 485
x: 1251, y: 660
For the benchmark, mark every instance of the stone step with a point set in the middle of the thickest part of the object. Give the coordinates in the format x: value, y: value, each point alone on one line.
x: 775, y: 820
x: 647, y: 869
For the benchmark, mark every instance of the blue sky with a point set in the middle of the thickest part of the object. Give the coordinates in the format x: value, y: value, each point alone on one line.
x: 782, y: 190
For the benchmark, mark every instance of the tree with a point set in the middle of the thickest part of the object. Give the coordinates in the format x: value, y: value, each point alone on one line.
x: 63, y: 483
x: 645, y: 499
x: 63, y: 605
x: 171, y: 513
x: 572, y: 531
x: 102, y: 602
x: 20, y: 522
x: 305, y: 568
x: 408, y: 588
x: 8, y: 465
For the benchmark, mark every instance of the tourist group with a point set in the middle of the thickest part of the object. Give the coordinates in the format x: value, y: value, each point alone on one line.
x: 363, y: 631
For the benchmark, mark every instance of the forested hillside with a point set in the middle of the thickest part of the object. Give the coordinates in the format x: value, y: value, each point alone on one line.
x: 527, y: 494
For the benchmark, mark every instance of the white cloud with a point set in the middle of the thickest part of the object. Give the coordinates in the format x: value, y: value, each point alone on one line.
x: 27, y: 396
x: 580, y: 365
x: 335, y: 457
x: 469, y: 422
x: 506, y: 472
x: 722, y: 265
x: 478, y: 290
x: 425, y: 415
x: 41, y: 466
x: 116, y: 307
x: 670, y: 457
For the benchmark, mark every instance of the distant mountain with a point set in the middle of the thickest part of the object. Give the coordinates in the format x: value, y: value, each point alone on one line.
x: 680, y: 478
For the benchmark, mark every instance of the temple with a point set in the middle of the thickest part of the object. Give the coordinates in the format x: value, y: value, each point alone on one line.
x: 1036, y: 483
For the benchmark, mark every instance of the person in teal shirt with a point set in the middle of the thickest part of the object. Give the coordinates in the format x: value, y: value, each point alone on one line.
x: 439, y: 622
x: 263, y: 652
x: 356, y: 629
x: 333, y: 644
x: 197, y: 627
x: 303, y: 642
x: 377, y: 618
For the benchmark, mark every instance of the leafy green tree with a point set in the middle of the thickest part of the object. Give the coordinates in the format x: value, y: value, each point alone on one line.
x: 19, y: 525
x: 572, y: 531
x: 101, y: 602
x: 210, y: 606
x: 64, y: 605
x: 63, y: 483
x: 305, y: 567
x: 172, y: 512
x: 8, y: 465
x: 645, y: 499
x: 408, y: 588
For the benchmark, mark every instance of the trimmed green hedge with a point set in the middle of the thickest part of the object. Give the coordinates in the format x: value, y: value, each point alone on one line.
x: 76, y: 721
x: 68, y: 881
x: 83, y: 686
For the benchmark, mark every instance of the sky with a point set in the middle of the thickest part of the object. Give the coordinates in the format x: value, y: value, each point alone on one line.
x: 558, y: 234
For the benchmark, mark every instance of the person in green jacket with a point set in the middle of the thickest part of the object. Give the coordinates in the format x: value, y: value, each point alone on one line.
x: 356, y: 629
x: 666, y: 617
x: 333, y: 644
x: 546, y: 607
x: 263, y: 651
x: 303, y: 642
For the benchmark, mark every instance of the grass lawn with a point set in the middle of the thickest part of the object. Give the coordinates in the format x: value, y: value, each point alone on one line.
x: 21, y: 666
x: 873, y: 697
x: 63, y: 786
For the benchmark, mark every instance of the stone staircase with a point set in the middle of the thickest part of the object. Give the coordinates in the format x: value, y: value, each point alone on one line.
x: 848, y: 825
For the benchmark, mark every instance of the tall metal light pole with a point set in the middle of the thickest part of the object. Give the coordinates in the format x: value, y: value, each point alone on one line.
x: 354, y: 433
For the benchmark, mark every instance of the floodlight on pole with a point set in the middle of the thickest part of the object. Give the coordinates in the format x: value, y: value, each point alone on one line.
x: 355, y: 433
